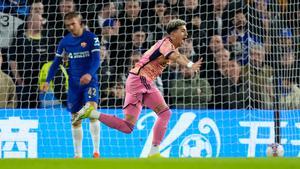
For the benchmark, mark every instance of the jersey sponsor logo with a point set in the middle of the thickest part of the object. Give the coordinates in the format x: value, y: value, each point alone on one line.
x: 76, y: 55
x: 83, y: 44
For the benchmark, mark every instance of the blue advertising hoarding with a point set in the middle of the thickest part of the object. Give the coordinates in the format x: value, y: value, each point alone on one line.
x: 46, y: 133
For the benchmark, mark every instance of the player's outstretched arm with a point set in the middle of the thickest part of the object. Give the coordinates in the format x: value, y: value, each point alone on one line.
x: 184, y: 61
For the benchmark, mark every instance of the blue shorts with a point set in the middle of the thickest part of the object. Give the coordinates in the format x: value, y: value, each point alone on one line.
x: 78, y: 96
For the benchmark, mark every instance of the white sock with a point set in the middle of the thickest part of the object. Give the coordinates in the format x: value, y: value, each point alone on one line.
x: 95, y: 133
x: 77, y: 135
x: 95, y: 114
x: 154, y: 150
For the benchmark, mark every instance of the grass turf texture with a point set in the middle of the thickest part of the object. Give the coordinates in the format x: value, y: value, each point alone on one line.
x: 173, y: 163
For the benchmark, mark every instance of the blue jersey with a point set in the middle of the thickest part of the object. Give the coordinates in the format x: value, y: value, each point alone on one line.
x: 83, y: 54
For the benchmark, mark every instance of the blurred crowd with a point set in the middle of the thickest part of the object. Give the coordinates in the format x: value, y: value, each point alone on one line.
x: 250, y: 50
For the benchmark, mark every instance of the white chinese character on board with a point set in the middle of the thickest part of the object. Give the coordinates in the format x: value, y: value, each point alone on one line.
x: 254, y: 138
x: 17, y: 140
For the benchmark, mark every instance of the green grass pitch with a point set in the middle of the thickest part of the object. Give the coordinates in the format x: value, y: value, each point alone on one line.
x: 172, y: 163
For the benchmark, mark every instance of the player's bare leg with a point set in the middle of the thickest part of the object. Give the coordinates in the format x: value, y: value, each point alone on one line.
x: 95, y: 132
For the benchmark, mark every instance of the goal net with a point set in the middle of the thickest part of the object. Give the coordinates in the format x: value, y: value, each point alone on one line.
x: 245, y: 97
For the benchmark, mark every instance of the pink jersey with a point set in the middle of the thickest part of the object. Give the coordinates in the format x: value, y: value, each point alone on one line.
x: 148, y: 66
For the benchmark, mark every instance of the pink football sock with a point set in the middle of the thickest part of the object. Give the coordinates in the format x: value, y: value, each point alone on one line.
x: 160, y: 127
x: 116, y: 123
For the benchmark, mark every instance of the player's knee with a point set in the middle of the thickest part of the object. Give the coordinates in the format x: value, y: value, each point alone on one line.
x: 161, y: 108
x: 130, y: 127
x: 165, y: 114
x: 130, y: 119
x: 77, y: 124
x: 92, y: 103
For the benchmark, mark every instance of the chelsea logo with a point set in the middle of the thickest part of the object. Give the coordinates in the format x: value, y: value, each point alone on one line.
x: 83, y: 44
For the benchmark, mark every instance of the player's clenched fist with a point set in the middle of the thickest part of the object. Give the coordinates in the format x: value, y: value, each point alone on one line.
x: 85, y: 79
x: 196, y: 66
x: 44, y: 87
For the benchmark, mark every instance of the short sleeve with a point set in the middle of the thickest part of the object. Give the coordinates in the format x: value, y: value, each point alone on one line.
x: 166, y: 48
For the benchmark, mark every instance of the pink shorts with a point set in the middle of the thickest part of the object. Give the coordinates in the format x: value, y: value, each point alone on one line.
x: 137, y: 87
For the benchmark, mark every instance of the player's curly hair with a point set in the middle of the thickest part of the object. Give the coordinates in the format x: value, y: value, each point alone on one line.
x: 174, y: 24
